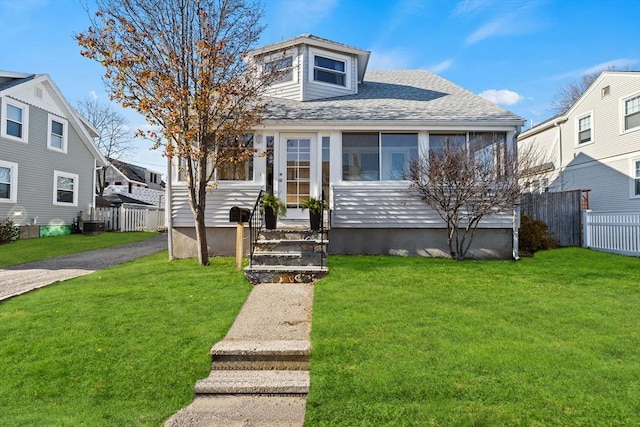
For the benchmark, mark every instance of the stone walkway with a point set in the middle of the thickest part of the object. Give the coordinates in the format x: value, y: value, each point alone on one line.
x: 18, y: 279
x: 259, y: 373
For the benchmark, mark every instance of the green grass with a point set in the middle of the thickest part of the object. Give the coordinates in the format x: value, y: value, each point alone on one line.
x: 27, y: 250
x: 120, y: 347
x: 549, y: 340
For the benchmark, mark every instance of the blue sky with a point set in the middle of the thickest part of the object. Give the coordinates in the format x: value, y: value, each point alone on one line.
x: 518, y: 53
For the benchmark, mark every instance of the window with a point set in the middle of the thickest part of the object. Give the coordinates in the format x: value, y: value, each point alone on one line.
x: 238, y: 161
x: 440, y: 142
x: 57, y: 134
x: 329, y: 68
x: 374, y: 156
x: 632, y: 113
x: 65, y: 189
x: 636, y: 179
x: 285, y: 66
x: 15, y: 120
x: 8, y: 182
x: 326, y: 151
x: 584, y: 129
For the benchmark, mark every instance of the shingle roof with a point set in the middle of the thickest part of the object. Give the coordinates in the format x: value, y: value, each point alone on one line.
x: 395, y: 95
x: 132, y: 172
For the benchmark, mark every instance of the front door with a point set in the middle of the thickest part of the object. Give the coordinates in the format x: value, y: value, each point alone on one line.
x: 297, y: 172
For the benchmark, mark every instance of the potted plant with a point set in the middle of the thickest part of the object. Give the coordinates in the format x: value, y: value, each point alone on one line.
x: 272, y: 207
x: 315, y: 209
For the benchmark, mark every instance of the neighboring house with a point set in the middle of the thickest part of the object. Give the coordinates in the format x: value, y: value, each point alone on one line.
x: 333, y: 127
x: 47, y: 156
x: 595, y: 145
x: 134, y: 181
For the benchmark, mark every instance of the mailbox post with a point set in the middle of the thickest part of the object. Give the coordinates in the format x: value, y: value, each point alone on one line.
x: 239, y: 216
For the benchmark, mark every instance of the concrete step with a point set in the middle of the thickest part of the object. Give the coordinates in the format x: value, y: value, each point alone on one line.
x: 295, y: 259
x: 284, y: 274
x: 241, y: 411
x: 261, y: 355
x: 291, y: 246
x: 292, y: 234
x: 254, y: 382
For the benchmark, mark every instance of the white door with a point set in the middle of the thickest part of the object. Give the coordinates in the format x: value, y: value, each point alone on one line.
x: 297, y: 172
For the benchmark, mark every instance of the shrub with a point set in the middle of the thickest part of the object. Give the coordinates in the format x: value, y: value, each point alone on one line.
x: 9, y: 232
x: 534, y: 236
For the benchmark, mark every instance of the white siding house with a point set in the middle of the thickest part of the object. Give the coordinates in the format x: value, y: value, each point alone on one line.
x: 595, y: 145
x: 333, y: 127
x: 47, y: 156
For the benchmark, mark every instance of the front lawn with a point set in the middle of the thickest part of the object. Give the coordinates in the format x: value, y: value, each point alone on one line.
x: 123, y: 346
x: 549, y: 340
x: 27, y: 250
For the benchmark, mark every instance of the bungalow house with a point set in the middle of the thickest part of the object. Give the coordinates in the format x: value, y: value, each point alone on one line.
x: 334, y: 128
x: 594, y: 145
x: 47, y: 156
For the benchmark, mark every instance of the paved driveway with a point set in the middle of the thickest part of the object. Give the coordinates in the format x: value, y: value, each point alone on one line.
x: 18, y: 279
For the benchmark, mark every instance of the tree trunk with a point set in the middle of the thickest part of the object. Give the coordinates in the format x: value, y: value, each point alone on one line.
x: 201, y: 238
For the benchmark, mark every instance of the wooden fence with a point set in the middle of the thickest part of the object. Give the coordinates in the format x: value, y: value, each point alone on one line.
x: 612, y: 232
x: 561, y: 211
x: 131, y: 217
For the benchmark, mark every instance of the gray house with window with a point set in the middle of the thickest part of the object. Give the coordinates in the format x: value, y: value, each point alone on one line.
x: 334, y: 128
x: 47, y: 156
x: 594, y: 145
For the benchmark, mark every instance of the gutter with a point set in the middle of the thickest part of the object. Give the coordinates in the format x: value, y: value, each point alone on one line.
x: 167, y: 208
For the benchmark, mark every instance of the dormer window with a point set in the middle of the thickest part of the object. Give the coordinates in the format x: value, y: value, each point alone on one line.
x: 284, y: 65
x: 330, y: 69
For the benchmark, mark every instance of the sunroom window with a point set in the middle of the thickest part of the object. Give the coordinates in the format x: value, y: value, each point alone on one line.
x: 378, y: 156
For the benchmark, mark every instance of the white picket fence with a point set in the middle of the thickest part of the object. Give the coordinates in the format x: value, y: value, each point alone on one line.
x: 130, y: 217
x: 612, y: 232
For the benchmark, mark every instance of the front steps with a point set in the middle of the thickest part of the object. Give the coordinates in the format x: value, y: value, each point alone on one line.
x: 289, y: 255
x: 260, y: 370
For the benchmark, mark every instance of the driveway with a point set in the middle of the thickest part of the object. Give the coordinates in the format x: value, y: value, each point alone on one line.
x: 18, y: 279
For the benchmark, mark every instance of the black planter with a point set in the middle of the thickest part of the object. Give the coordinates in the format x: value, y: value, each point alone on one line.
x: 314, y: 219
x: 270, y: 218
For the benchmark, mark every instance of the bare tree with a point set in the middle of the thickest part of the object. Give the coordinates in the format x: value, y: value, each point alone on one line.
x: 466, y: 184
x: 569, y: 94
x: 181, y: 64
x: 114, y: 137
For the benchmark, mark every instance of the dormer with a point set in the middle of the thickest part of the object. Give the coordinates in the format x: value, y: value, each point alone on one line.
x: 320, y: 68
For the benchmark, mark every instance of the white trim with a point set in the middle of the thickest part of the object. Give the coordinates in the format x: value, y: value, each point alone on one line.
x: 65, y: 133
x: 13, y: 181
x: 25, y: 120
x: 622, y: 115
x: 295, y: 63
x: 334, y: 56
x: 76, y: 183
x: 632, y: 181
x: 591, y: 129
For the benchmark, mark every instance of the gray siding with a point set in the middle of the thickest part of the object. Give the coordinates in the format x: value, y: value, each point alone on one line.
x: 392, y: 207
x: 219, y: 201
x: 36, y: 166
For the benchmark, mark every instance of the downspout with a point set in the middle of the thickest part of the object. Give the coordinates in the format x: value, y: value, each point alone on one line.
x: 560, y: 166
x: 167, y: 208
x: 93, y: 191
x: 516, y: 209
